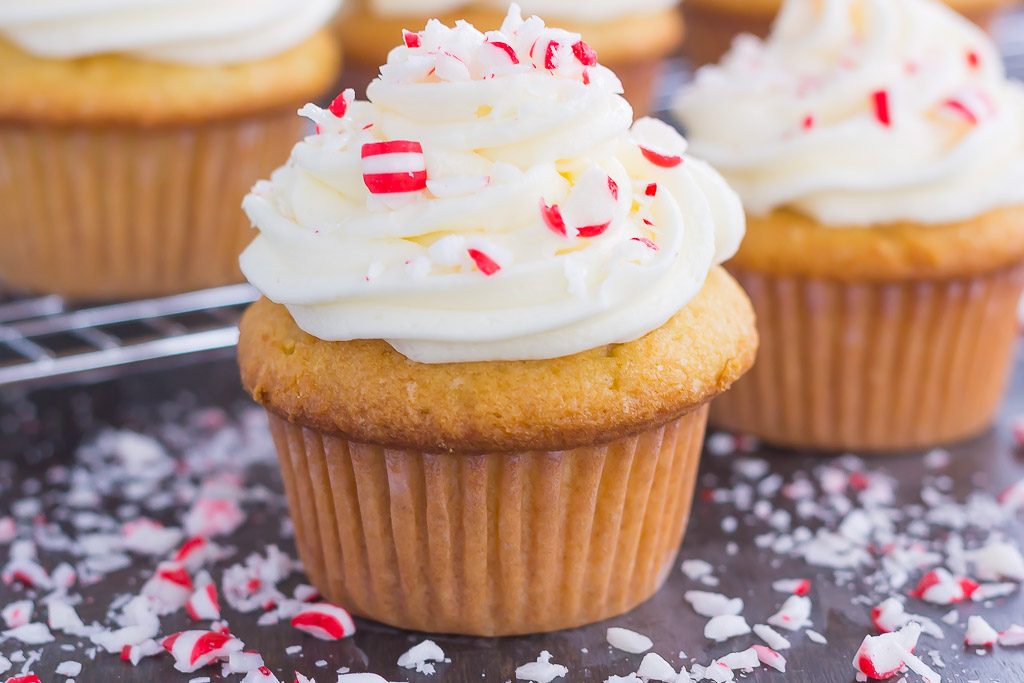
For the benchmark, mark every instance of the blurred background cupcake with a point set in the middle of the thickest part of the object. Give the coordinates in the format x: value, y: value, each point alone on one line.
x: 879, y: 151
x: 714, y: 23
x: 129, y: 130
x: 630, y: 36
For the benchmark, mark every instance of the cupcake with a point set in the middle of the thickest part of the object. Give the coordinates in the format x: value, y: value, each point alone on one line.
x: 630, y: 36
x: 127, y: 132
x: 879, y: 152
x: 493, y: 323
x: 714, y: 23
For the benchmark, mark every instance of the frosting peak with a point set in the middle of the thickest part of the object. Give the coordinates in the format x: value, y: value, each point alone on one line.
x: 863, y: 112
x: 177, y: 31
x: 492, y: 200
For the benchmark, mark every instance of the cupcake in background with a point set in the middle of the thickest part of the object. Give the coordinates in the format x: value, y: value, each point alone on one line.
x: 714, y: 23
x: 631, y: 37
x: 128, y: 130
x: 878, y: 148
x: 493, y: 324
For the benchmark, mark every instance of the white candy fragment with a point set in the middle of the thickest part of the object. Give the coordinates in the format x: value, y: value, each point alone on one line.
x: 421, y: 656
x: 17, y: 613
x: 696, y: 570
x: 628, y: 641
x: 998, y: 561
x: 773, y: 638
x: 62, y: 617
x: 770, y: 657
x: 980, y: 633
x: 260, y: 675
x: 136, y: 653
x: 541, y: 671
x: 794, y: 614
x: 726, y: 626
x: 990, y: 591
x: 1012, y: 637
x: 816, y: 637
x: 70, y: 669
x: 655, y: 668
x: 882, y: 657
x: 713, y: 604
x: 32, y: 633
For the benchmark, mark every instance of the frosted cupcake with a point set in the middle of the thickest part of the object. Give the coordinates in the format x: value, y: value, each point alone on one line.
x: 631, y: 36
x: 492, y: 328
x: 879, y: 151
x: 128, y: 130
x: 714, y: 23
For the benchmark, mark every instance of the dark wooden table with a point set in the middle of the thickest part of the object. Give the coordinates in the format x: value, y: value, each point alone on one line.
x: 41, y: 429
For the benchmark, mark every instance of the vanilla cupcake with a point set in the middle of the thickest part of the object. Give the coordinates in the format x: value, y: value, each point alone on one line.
x: 714, y: 23
x: 493, y: 325
x: 879, y: 151
x: 128, y: 130
x: 630, y: 36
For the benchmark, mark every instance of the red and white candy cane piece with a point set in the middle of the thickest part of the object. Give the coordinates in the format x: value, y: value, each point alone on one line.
x: 939, y: 587
x: 394, y: 167
x: 659, y: 143
x: 261, y: 675
x: 324, y: 621
x: 552, y: 216
x: 484, y: 263
x: 136, y: 653
x: 192, y: 650
x: 203, y: 605
x: 882, y: 657
x: 980, y: 633
x: 27, y: 678
x: 793, y: 586
x: 411, y: 39
x: 1012, y: 497
x: 8, y: 529
x: 586, y: 55
x: 299, y: 678
x: 28, y: 572
x: 770, y: 657
x: 880, y: 102
x: 794, y: 613
x: 193, y: 553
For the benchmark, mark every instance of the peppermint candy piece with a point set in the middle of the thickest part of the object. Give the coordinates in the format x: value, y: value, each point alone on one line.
x: 17, y: 613
x: 192, y: 650
x: 203, y: 605
x: 261, y: 675
x: 980, y: 633
x: 324, y: 621
x: 394, y: 167
x: 659, y: 142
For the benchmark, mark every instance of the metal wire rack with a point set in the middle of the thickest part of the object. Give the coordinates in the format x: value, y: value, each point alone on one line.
x: 43, y: 338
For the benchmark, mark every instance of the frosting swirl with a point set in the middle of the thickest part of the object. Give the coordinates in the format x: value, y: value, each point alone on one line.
x: 489, y: 202
x: 863, y: 112
x: 592, y: 10
x: 177, y: 31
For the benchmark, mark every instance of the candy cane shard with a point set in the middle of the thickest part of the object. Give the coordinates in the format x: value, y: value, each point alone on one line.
x: 324, y: 621
x: 394, y: 167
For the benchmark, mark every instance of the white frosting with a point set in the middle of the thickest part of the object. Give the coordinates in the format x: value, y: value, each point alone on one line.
x: 578, y: 10
x: 500, y: 141
x: 178, y: 31
x: 798, y: 120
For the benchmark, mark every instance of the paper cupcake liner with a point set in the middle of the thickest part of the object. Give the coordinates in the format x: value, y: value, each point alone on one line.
x: 118, y: 211
x: 874, y: 366
x: 495, y: 544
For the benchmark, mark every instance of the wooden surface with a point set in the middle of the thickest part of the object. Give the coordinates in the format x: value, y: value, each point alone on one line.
x: 42, y: 429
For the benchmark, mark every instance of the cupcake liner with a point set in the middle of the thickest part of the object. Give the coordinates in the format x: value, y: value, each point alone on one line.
x: 118, y: 211
x: 874, y: 366
x: 710, y: 30
x: 493, y: 544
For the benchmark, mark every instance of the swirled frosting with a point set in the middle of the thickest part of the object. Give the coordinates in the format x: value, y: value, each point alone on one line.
x: 863, y: 112
x: 577, y: 10
x: 490, y: 201
x: 177, y: 31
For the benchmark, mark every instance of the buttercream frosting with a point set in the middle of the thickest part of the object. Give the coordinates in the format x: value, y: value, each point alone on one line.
x: 862, y: 112
x: 492, y: 200
x: 178, y: 31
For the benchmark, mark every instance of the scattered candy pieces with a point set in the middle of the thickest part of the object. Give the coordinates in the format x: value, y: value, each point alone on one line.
x: 324, y: 621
